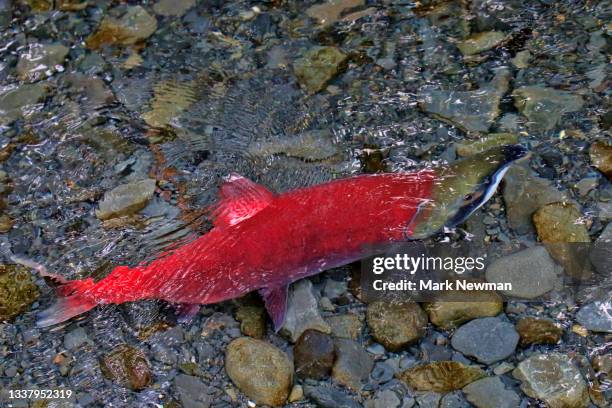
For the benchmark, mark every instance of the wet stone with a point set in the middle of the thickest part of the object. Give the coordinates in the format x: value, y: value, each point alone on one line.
x: 396, y: 324
x: 532, y: 272
x: 544, y: 107
x: 384, y: 399
x: 480, y: 42
x: 600, y: 253
x: 313, y: 355
x: 17, y: 291
x: 595, y: 316
x: 175, y: 8
x: 296, y: 394
x: 328, y: 397
x: 441, y: 376
x: 260, y: 370
x: 601, y: 157
x: 554, y: 379
x: 126, y: 199
x: 454, y: 400
x: 170, y: 99
x: 428, y: 400
x: 538, y: 331
x: 447, y: 315
x: 346, y: 326
x: 472, y: 147
x: 75, y: 338
x: 490, y: 392
x: 318, y: 66
x: 192, y: 391
x: 603, y: 364
x: 40, y: 61
x: 353, y: 364
x: 15, y: 103
x: 302, y: 312
x: 252, y: 320
x: 127, y: 366
x: 135, y: 25
x: 488, y: 339
x: 327, y: 13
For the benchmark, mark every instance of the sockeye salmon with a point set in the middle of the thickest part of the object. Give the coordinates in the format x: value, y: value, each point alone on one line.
x: 264, y: 241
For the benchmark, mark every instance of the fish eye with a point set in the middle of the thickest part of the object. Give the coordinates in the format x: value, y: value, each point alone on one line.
x: 468, y: 197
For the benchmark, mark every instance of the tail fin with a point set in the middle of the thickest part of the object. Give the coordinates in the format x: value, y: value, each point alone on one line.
x: 72, y: 301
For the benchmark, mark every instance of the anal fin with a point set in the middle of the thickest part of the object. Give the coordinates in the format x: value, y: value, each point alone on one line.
x: 275, y: 300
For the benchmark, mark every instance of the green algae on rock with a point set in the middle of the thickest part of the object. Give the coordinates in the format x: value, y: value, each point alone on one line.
x: 17, y: 291
x: 544, y: 107
x: 126, y: 199
x: 40, y: 61
x: 18, y: 102
x: 396, y: 325
x: 472, y: 147
x: 127, y: 366
x: 260, y: 370
x: 441, y: 376
x: 318, y: 66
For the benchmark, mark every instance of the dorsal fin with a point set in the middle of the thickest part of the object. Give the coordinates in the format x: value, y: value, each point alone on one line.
x: 240, y: 198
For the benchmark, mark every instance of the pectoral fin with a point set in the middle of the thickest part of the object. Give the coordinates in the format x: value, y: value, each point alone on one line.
x: 276, y: 304
x: 240, y: 199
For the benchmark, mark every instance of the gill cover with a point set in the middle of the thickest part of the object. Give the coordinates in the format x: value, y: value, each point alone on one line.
x: 461, y: 188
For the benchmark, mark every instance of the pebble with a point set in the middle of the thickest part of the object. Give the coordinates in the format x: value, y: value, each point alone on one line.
x: 15, y: 102
x: 302, y: 312
x: 346, y: 326
x: 532, y: 272
x: 503, y: 368
x: 126, y: 199
x: 600, y: 252
x: 75, y: 338
x: 192, y: 391
x: 480, y: 42
x: 170, y: 99
x: 595, y: 316
x: 383, y: 372
x: 601, y: 157
x: 328, y: 397
x: 333, y: 289
x: 353, y: 364
x: 428, y: 400
x: 441, y: 376
x: 17, y: 291
x: 446, y: 314
x: 260, y: 370
x: 252, y: 320
x: 488, y: 339
x: 490, y: 392
x: 135, y: 25
x: 384, y: 399
x: 327, y: 13
x: 524, y: 193
x: 521, y: 59
x: 454, y: 399
x: 554, y: 379
x: 313, y: 355
x: 586, y: 185
x: 318, y: 66
x: 40, y: 61
x: 174, y: 8
x: 471, y: 147
x: 544, y: 107
x: 296, y: 394
x: 538, y: 331
x: 396, y: 324
x: 603, y: 364
x: 127, y: 366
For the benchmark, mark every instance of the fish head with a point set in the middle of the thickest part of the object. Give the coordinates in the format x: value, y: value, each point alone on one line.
x: 462, y: 187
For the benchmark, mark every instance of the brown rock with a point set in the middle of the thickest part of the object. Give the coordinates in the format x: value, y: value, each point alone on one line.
x: 353, y: 364
x: 319, y: 66
x: 601, y: 157
x: 441, y: 376
x: 538, y: 331
x: 347, y: 326
x: 134, y: 26
x: 603, y: 364
x: 396, y: 325
x: 17, y: 291
x: 447, y: 314
x: 127, y: 366
x: 313, y: 355
x: 327, y: 13
x: 252, y: 320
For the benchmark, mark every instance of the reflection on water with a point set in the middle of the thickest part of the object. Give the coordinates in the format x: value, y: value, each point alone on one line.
x: 99, y: 95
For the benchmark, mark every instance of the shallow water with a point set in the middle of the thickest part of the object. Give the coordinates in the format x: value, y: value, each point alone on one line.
x: 196, y: 90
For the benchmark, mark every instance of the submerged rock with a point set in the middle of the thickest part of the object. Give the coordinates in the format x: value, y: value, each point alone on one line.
x: 313, y: 355
x: 302, y: 312
x: 396, y: 324
x: 538, y: 331
x: 126, y: 199
x: 327, y: 13
x: 252, y: 320
x: 601, y: 157
x: 192, y: 391
x: 447, y: 314
x: 441, y: 376
x: 488, y: 339
x: 135, y: 25
x: 480, y: 42
x: 127, y: 366
x: 40, y: 61
x: 17, y: 102
x: 319, y: 66
x: 328, y: 397
x: 553, y: 379
x: 260, y: 370
x: 17, y: 291
x: 346, y: 326
x: 596, y: 316
x: 532, y: 272
x: 353, y: 364
x: 170, y: 99
x: 544, y: 107
x: 490, y: 392
x: 471, y: 147
x: 174, y: 8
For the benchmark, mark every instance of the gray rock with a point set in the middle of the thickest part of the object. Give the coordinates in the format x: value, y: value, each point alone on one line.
x: 40, y: 61
x: 601, y: 252
x: 532, y: 272
x: 454, y: 399
x: 192, y: 392
x: 543, y: 106
x: 490, y: 392
x: 554, y: 379
x: 524, y: 193
x: 75, y: 338
x: 585, y: 185
x: 126, y: 199
x: 596, y: 316
x: 429, y: 400
x: 334, y: 289
x: 173, y: 8
x: 605, y: 211
x: 6, y: 13
x: 488, y: 339
x: 353, y: 364
x: 346, y: 326
x: 385, y: 399
x: 302, y: 312
x: 16, y: 102
x: 327, y: 397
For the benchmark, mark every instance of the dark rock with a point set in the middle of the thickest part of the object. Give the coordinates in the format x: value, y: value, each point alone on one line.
x: 538, y: 331
x: 327, y: 397
x: 17, y: 291
x: 353, y: 364
x: 396, y: 324
x: 127, y: 366
x: 313, y: 355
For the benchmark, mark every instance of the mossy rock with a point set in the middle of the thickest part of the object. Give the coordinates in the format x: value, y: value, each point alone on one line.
x: 17, y: 291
